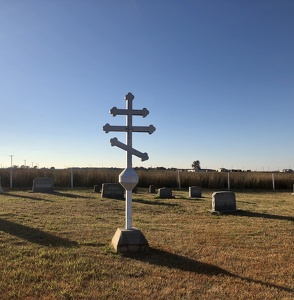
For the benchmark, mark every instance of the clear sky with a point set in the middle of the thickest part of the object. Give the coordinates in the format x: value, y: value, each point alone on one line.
x: 216, y: 75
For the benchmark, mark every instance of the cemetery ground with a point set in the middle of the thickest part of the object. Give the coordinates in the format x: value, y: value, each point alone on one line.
x: 58, y: 246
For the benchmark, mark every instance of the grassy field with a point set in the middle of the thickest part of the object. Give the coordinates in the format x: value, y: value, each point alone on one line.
x: 58, y: 246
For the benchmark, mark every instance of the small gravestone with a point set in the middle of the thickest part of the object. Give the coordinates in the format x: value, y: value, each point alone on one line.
x: 112, y: 190
x: 135, y: 190
x: 151, y: 189
x: 96, y: 189
x: 195, y: 192
x: 1, y: 190
x: 223, y: 201
x: 165, y: 192
x: 43, y: 185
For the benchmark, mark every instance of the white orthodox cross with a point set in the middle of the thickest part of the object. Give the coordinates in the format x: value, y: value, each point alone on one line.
x: 129, y: 178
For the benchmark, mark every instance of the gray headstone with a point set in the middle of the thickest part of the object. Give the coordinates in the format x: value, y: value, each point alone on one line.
x: 195, y: 192
x: 151, y: 189
x: 223, y: 201
x: 43, y: 185
x: 112, y: 190
x: 165, y: 192
x: 1, y: 190
x: 96, y: 189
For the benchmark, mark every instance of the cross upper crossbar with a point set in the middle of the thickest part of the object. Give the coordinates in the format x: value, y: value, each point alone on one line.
x: 150, y: 129
x: 135, y: 112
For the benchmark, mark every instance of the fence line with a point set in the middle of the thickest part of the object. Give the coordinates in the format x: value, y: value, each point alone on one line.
x: 88, y: 177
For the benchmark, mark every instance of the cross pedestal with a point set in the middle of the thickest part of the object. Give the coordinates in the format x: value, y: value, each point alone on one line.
x: 129, y: 240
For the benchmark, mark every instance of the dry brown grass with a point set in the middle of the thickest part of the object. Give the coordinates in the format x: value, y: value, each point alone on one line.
x: 88, y: 177
x: 57, y: 246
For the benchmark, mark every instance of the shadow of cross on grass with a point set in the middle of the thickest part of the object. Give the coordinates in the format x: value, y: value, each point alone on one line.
x: 245, y: 213
x: 34, y: 235
x: 26, y: 196
x: 174, y: 261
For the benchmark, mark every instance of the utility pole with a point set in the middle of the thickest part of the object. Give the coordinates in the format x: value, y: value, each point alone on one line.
x: 11, y: 171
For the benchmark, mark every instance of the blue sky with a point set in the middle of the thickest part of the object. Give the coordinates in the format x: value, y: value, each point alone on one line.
x: 216, y: 75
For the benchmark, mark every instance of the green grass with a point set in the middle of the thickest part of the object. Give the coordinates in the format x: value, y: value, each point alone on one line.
x: 58, y: 246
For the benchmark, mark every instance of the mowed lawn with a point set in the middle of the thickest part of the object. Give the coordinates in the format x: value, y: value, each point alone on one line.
x: 58, y: 246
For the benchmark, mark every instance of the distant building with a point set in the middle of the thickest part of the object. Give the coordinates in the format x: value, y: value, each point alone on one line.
x: 222, y: 170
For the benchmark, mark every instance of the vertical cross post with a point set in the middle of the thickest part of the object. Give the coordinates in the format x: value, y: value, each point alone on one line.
x: 129, y: 122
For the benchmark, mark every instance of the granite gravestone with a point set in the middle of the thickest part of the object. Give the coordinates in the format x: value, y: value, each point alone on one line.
x: 195, y: 192
x: 112, y: 190
x: 1, y: 190
x: 96, y: 189
x: 43, y: 185
x: 224, y: 201
x: 151, y: 189
x: 165, y: 193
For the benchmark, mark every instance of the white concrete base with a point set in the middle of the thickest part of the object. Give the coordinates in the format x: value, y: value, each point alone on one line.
x: 129, y: 240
